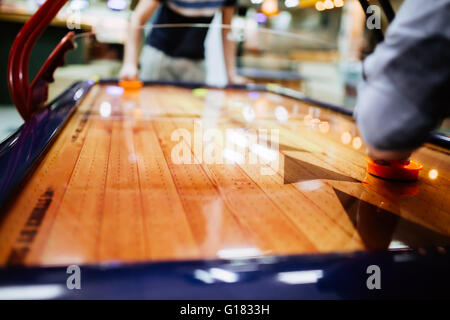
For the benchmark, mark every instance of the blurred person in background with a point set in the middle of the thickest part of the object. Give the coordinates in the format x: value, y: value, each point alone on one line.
x: 176, y: 53
x: 406, y: 89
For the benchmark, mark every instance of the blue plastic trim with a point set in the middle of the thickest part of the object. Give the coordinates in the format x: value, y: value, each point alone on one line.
x: 22, y: 150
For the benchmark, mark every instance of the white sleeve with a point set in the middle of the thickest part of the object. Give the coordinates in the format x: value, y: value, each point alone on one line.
x: 406, y: 88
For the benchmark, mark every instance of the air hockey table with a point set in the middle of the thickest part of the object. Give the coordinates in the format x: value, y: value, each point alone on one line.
x: 188, y: 191
x: 182, y: 191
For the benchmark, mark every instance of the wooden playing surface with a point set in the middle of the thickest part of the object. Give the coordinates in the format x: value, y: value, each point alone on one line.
x: 112, y: 188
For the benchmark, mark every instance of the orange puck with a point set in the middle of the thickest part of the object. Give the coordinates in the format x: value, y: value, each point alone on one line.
x: 131, y: 84
x: 394, y: 170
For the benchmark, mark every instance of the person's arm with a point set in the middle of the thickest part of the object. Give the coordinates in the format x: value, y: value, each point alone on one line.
x: 139, y: 17
x: 229, y: 47
x: 406, y: 89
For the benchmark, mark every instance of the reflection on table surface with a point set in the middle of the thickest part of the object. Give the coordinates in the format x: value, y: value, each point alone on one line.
x: 170, y: 173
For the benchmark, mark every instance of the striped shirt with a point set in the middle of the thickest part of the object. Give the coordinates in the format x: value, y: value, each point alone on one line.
x: 183, y: 41
x: 197, y: 8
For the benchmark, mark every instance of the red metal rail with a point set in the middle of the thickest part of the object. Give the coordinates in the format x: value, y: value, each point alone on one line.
x: 27, y: 97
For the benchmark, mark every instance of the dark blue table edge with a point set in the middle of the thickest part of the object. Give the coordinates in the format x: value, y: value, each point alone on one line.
x: 21, y: 151
x: 404, y: 274
x: 420, y: 273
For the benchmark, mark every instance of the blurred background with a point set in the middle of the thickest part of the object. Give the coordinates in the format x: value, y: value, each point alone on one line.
x: 313, y: 46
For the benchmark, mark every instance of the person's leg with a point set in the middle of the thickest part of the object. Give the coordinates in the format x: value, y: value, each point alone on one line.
x: 154, y: 65
x: 200, y: 71
x: 186, y: 70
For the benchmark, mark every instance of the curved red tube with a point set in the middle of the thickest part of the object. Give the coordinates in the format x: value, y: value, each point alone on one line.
x: 26, y: 97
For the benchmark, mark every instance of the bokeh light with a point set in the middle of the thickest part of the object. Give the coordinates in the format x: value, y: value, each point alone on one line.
x: 357, y: 143
x: 433, y: 174
x: 270, y: 7
x: 346, y: 137
x: 338, y: 3
x: 320, y: 6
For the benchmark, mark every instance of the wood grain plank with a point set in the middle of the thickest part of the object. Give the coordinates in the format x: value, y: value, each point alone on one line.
x: 110, y: 190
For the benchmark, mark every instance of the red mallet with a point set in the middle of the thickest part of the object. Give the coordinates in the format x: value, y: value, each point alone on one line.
x: 394, y: 170
x: 130, y: 84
